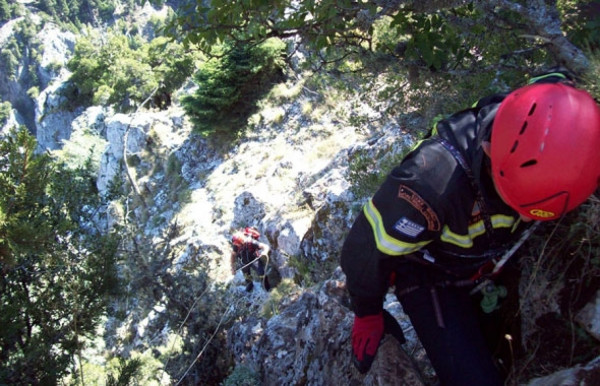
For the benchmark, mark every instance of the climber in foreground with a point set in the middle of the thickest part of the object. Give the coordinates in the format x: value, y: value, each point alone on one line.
x: 249, y: 253
x: 445, y: 216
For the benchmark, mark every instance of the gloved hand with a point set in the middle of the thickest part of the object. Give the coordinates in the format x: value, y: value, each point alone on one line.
x: 367, y: 332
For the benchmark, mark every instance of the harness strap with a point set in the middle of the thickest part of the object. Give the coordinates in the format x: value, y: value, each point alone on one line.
x: 458, y: 156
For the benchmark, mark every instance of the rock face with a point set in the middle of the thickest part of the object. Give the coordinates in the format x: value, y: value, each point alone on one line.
x: 581, y: 375
x: 308, y: 343
x: 589, y: 317
x: 55, y: 47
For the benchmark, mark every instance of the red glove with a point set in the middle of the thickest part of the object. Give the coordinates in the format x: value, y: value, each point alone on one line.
x: 366, y: 336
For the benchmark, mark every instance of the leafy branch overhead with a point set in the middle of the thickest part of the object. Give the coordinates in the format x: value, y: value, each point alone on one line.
x: 348, y: 25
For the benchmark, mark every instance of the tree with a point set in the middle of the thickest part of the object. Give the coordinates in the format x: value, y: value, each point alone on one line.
x: 127, y: 70
x: 171, y: 64
x: 56, y: 272
x: 349, y: 25
x: 5, y: 13
x: 5, y: 110
x: 229, y: 86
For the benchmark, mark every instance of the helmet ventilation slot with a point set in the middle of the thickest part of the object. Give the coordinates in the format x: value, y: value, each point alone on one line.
x: 532, y: 109
x: 514, y: 146
x: 531, y: 162
x: 523, y: 128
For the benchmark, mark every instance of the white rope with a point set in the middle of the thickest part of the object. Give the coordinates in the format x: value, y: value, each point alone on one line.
x: 205, y: 345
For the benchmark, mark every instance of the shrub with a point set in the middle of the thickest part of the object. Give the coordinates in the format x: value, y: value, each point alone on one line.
x: 242, y: 376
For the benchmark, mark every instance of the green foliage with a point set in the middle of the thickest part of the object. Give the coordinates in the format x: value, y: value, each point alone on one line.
x: 178, y: 187
x: 341, y: 32
x: 592, y: 78
x: 229, y: 86
x: 5, y: 11
x: 20, y: 45
x: 10, y: 62
x: 561, y: 274
x: 276, y: 295
x: 431, y: 38
x: 79, y: 11
x: 33, y: 92
x: 5, y: 110
x: 242, y: 376
x: 126, y: 71
x: 581, y: 22
x: 303, y: 269
x: 127, y: 373
x: 56, y: 278
x: 323, y: 23
x: 366, y: 172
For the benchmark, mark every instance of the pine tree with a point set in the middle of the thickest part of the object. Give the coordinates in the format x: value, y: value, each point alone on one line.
x: 55, y: 278
x: 229, y: 86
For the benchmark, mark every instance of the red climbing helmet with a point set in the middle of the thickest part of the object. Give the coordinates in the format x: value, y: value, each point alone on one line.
x: 545, y: 149
x: 237, y: 239
x: 252, y: 232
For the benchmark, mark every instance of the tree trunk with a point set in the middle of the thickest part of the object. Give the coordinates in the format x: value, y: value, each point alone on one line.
x: 544, y: 22
x: 542, y: 19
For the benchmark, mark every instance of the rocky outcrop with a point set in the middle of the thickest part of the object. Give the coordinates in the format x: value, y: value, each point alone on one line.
x: 53, y: 48
x: 308, y: 343
x: 580, y: 375
x: 589, y: 317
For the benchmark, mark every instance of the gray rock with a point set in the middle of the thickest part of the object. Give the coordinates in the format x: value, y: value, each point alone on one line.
x: 581, y: 375
x: 308, y: 343
x: 589, y: 317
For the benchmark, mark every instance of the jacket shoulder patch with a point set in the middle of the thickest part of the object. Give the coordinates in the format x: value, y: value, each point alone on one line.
x: 407, y: 194
x: 408, y: 227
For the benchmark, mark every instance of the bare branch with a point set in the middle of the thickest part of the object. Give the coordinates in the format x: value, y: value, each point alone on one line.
x: 134, y: 185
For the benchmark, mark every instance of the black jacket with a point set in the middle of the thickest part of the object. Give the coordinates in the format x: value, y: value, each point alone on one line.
x: 430, y: 206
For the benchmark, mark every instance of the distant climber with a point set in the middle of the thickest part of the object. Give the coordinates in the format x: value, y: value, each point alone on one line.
x: 249, y: 253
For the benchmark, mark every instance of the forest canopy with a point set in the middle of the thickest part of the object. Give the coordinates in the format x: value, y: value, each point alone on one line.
x: 443, y: 34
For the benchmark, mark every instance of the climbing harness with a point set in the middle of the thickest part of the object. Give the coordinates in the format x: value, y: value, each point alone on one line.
x: 482, y: 281
x: 482, y: 278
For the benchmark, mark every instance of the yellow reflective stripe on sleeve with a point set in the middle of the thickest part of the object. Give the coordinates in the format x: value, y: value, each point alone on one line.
x: 475, y: 230
x: 434, y: 131
x: 386, y: 243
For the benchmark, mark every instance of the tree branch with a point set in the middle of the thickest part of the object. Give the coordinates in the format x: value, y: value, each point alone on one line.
x: 544, y: 22
x: 134, y: 185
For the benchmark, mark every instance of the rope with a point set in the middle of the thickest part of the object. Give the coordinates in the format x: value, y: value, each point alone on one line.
x: 205, y: 345
x: 249, y: 264
x: 183, y: 323
x: 266, y: 267
x: 528, y: 232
